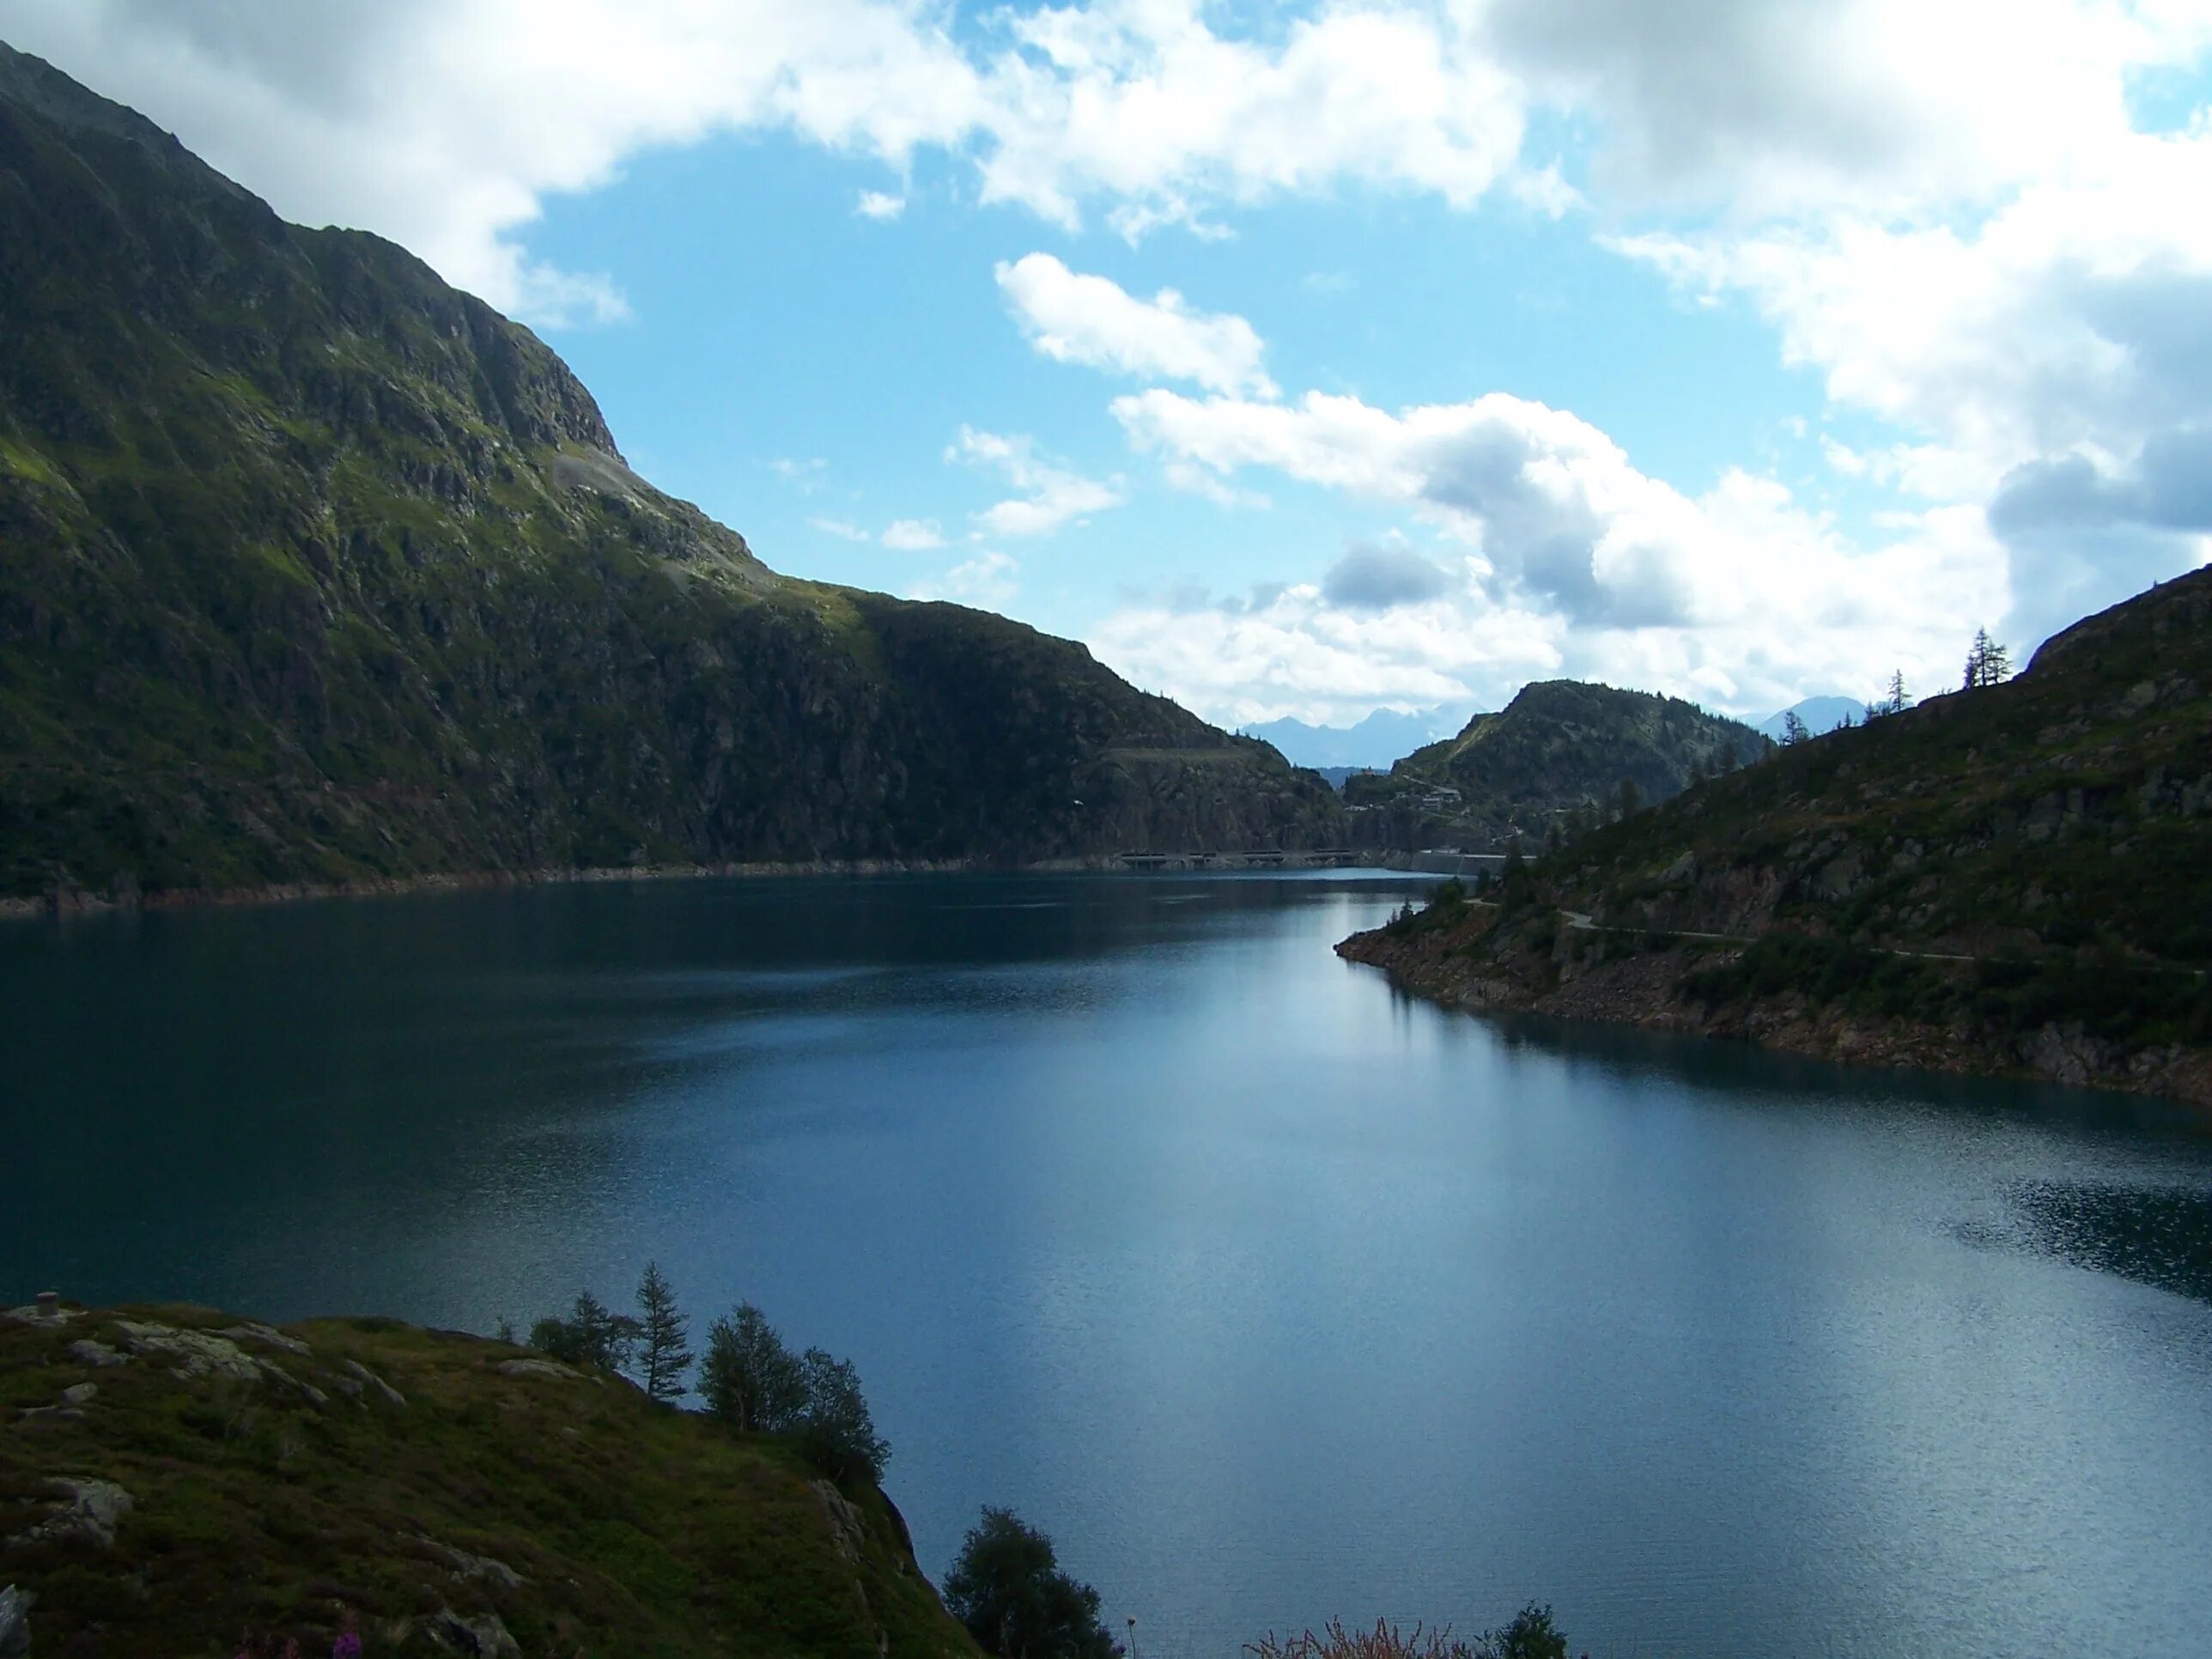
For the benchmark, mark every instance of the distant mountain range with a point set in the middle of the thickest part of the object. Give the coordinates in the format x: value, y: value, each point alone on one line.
x: 1819, y: 715
x: 1378, y: 741
x: 319, y: 571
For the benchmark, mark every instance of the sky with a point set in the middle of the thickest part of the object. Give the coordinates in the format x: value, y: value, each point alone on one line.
x: 1308, y: 359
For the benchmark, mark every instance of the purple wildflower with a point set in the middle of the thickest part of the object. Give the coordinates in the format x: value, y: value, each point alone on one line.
x: 347, y: 1646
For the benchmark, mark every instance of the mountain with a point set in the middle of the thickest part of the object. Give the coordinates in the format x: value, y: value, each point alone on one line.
x: 1374, y: 742
x: 1561, y: 747
x: 175, y: 1476
x: 1819, y: 715
x: 314, y: 569
x: 2016, y: 879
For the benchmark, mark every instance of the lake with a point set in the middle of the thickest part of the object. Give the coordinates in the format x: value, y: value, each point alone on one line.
x: 1271, y: 1294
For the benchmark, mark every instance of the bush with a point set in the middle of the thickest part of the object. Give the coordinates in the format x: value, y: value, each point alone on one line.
x: 750, y: 1379
x: 837, y: 1433
x: 1532, y: 1635
x: 591, y: 1335
x: 1007, y: 1589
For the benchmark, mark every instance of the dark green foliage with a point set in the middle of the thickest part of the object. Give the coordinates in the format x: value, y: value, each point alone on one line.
x: 1007, y: 1588
x: 750, y: 1379
x: 836, y: 1430
x: 1532, y: 1635
x: 591, y: 1335
x: 662, y: 1357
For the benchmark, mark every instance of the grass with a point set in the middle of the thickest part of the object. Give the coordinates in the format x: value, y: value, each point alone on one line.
x: 634, y: 1529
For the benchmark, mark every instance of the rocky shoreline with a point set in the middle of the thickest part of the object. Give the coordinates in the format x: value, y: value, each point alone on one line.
x: 67, y: 902
x: 1647, y: 988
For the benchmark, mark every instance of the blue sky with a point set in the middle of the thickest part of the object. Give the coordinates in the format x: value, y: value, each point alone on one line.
x: 1308, y: 359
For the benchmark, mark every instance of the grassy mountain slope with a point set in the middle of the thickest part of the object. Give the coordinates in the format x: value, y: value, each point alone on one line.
x: 1559, y: 747
x: 315, y: 568
x: 170, y: 1477
x: 2017, y: 878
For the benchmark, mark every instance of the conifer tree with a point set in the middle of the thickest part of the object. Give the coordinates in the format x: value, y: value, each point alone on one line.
x: 662, y: 1334
x: 1988, y: 663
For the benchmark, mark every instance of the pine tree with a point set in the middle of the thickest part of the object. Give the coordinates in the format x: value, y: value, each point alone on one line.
x: 1895, y: 703
x: 662, y: 1333
x: 1793, y: 729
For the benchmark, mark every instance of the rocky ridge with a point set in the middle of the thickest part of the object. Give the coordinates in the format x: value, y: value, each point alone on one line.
x: 314, y: 571
x: 2014, y: 879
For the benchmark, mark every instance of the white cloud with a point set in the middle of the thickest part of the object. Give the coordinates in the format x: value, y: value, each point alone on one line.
x: 445, y: 124
x: 1075, y: 318
x: 840, y: 528
x: 879, y: 206
x: 987, y: 581
x: 912, y: 535
x: 1765, y: 108
x: 1739, y: 596
x: 805, y: 476
x: 1052, y: 495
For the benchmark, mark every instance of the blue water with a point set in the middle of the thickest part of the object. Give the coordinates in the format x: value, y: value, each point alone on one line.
x: 1271, y: 1294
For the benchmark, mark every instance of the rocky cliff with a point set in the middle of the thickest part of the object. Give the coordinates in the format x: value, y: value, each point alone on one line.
x: 312, y: 568
x: 2016, y: 879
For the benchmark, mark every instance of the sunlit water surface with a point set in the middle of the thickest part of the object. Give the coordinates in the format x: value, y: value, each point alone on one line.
x: 1271, y: 1294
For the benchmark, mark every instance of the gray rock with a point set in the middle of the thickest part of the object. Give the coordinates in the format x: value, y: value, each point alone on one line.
x: 537, y: 1368
x: 484, y: 1636
x: 35, y: 1314
x: 79, y: 1394
x: 15, y: 1622
x: 89, y: 1512
x: 197, y: 1353
x: 268, y: 1336
x: 382, y: 1389
x: 464, y: 1566
x: 85, y: 1352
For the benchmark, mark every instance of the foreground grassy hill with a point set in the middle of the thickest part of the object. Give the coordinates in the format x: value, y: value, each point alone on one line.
x: 1556, y: 756
x: 2014, y: 878
x: 171, y: 1477
x: 312, y: 568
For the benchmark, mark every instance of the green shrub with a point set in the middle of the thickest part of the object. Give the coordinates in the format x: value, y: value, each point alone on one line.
x: 1007, y: 1588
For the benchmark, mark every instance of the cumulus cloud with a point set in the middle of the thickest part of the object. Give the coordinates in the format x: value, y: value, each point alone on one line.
x: 1053, y: 497
x: 1739, y: 596
x: 445, y: 124
x: 879, y: 205
x: 987, y: 581
x: 1383, y: 576
x: 1767, y: 107
x: 1075, y: 318
x: 912, y: 535
x: 840, y: 528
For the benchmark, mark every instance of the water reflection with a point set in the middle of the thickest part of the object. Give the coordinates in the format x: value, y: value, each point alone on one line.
x: 2156, y: 1236
x: 1273, y: 1296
